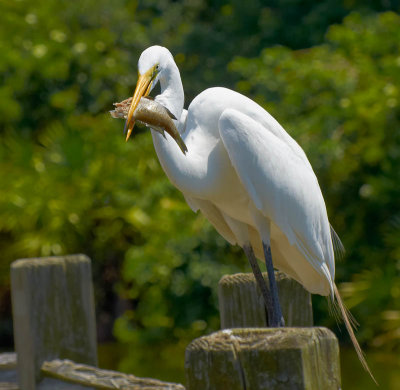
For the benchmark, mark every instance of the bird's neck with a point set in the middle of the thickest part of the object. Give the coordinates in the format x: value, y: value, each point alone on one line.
x: 174, y: 163
x: 172, y: 95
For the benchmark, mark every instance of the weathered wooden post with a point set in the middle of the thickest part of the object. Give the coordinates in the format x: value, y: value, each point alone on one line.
x: 241, y: 303
x: 250, y: 356
x: 264, y: 359
x: 53, y: 313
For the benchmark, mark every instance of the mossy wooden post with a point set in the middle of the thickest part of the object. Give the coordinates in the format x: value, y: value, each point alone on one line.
x: 241, y: 304
x: 264, y: 359
x: 53, y: 313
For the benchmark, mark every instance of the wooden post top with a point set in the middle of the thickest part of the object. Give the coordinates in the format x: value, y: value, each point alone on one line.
x: 51, y: 260
x: 261, y: 338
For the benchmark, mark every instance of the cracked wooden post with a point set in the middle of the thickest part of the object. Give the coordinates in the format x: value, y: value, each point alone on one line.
x: 53, y: 313
x: 241, y: 304
x: 264, y: 359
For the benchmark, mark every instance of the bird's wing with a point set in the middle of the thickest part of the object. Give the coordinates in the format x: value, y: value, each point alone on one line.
x: 282, y: 187
x: 213, y: 214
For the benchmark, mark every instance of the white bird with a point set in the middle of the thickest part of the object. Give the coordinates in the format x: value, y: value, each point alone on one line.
x: 249, y: 178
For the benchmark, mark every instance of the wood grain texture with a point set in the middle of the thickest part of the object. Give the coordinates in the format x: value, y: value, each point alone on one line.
x: 102, y: 379
x: 264, y: 359
x: 241, y: 304
x: 53, y: 313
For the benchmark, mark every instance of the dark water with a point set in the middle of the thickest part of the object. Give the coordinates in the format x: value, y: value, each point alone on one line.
x: 166, y: 362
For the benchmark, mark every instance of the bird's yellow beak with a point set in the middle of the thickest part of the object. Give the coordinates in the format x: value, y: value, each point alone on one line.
x: 143, y: 87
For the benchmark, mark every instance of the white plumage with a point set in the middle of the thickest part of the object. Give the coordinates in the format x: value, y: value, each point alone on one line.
x: 245, y: 173
x: 256, y: 175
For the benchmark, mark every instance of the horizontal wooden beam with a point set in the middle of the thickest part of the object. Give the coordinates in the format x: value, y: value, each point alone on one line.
x: 83, y: 374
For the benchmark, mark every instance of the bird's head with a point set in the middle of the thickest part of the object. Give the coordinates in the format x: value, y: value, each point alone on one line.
x: 152, y: 66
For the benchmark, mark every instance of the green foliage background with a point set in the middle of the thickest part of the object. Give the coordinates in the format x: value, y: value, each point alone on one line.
x: 329, y: 71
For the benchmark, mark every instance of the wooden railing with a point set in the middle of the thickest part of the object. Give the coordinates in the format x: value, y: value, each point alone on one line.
x: 55, y: 337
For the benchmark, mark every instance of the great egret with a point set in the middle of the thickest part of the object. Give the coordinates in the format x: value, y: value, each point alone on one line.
x: 251, y: 180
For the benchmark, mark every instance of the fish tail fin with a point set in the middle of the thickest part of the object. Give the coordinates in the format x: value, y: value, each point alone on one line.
x: 181, y: 144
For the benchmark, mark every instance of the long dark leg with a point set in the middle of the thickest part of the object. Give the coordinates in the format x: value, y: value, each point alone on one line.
x: 276, y: 317
x: 248, y: 250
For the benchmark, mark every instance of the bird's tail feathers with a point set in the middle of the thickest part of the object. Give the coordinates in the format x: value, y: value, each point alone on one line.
x: 334, y: 310
x: 350, y: 324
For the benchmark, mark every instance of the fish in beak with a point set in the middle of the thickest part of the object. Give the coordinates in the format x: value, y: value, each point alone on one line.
x: 143, y: 88
x: 153, y: 115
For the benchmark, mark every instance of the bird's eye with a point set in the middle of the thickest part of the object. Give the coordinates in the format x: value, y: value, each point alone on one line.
x: 155, y: 72
x: 157, y: 67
